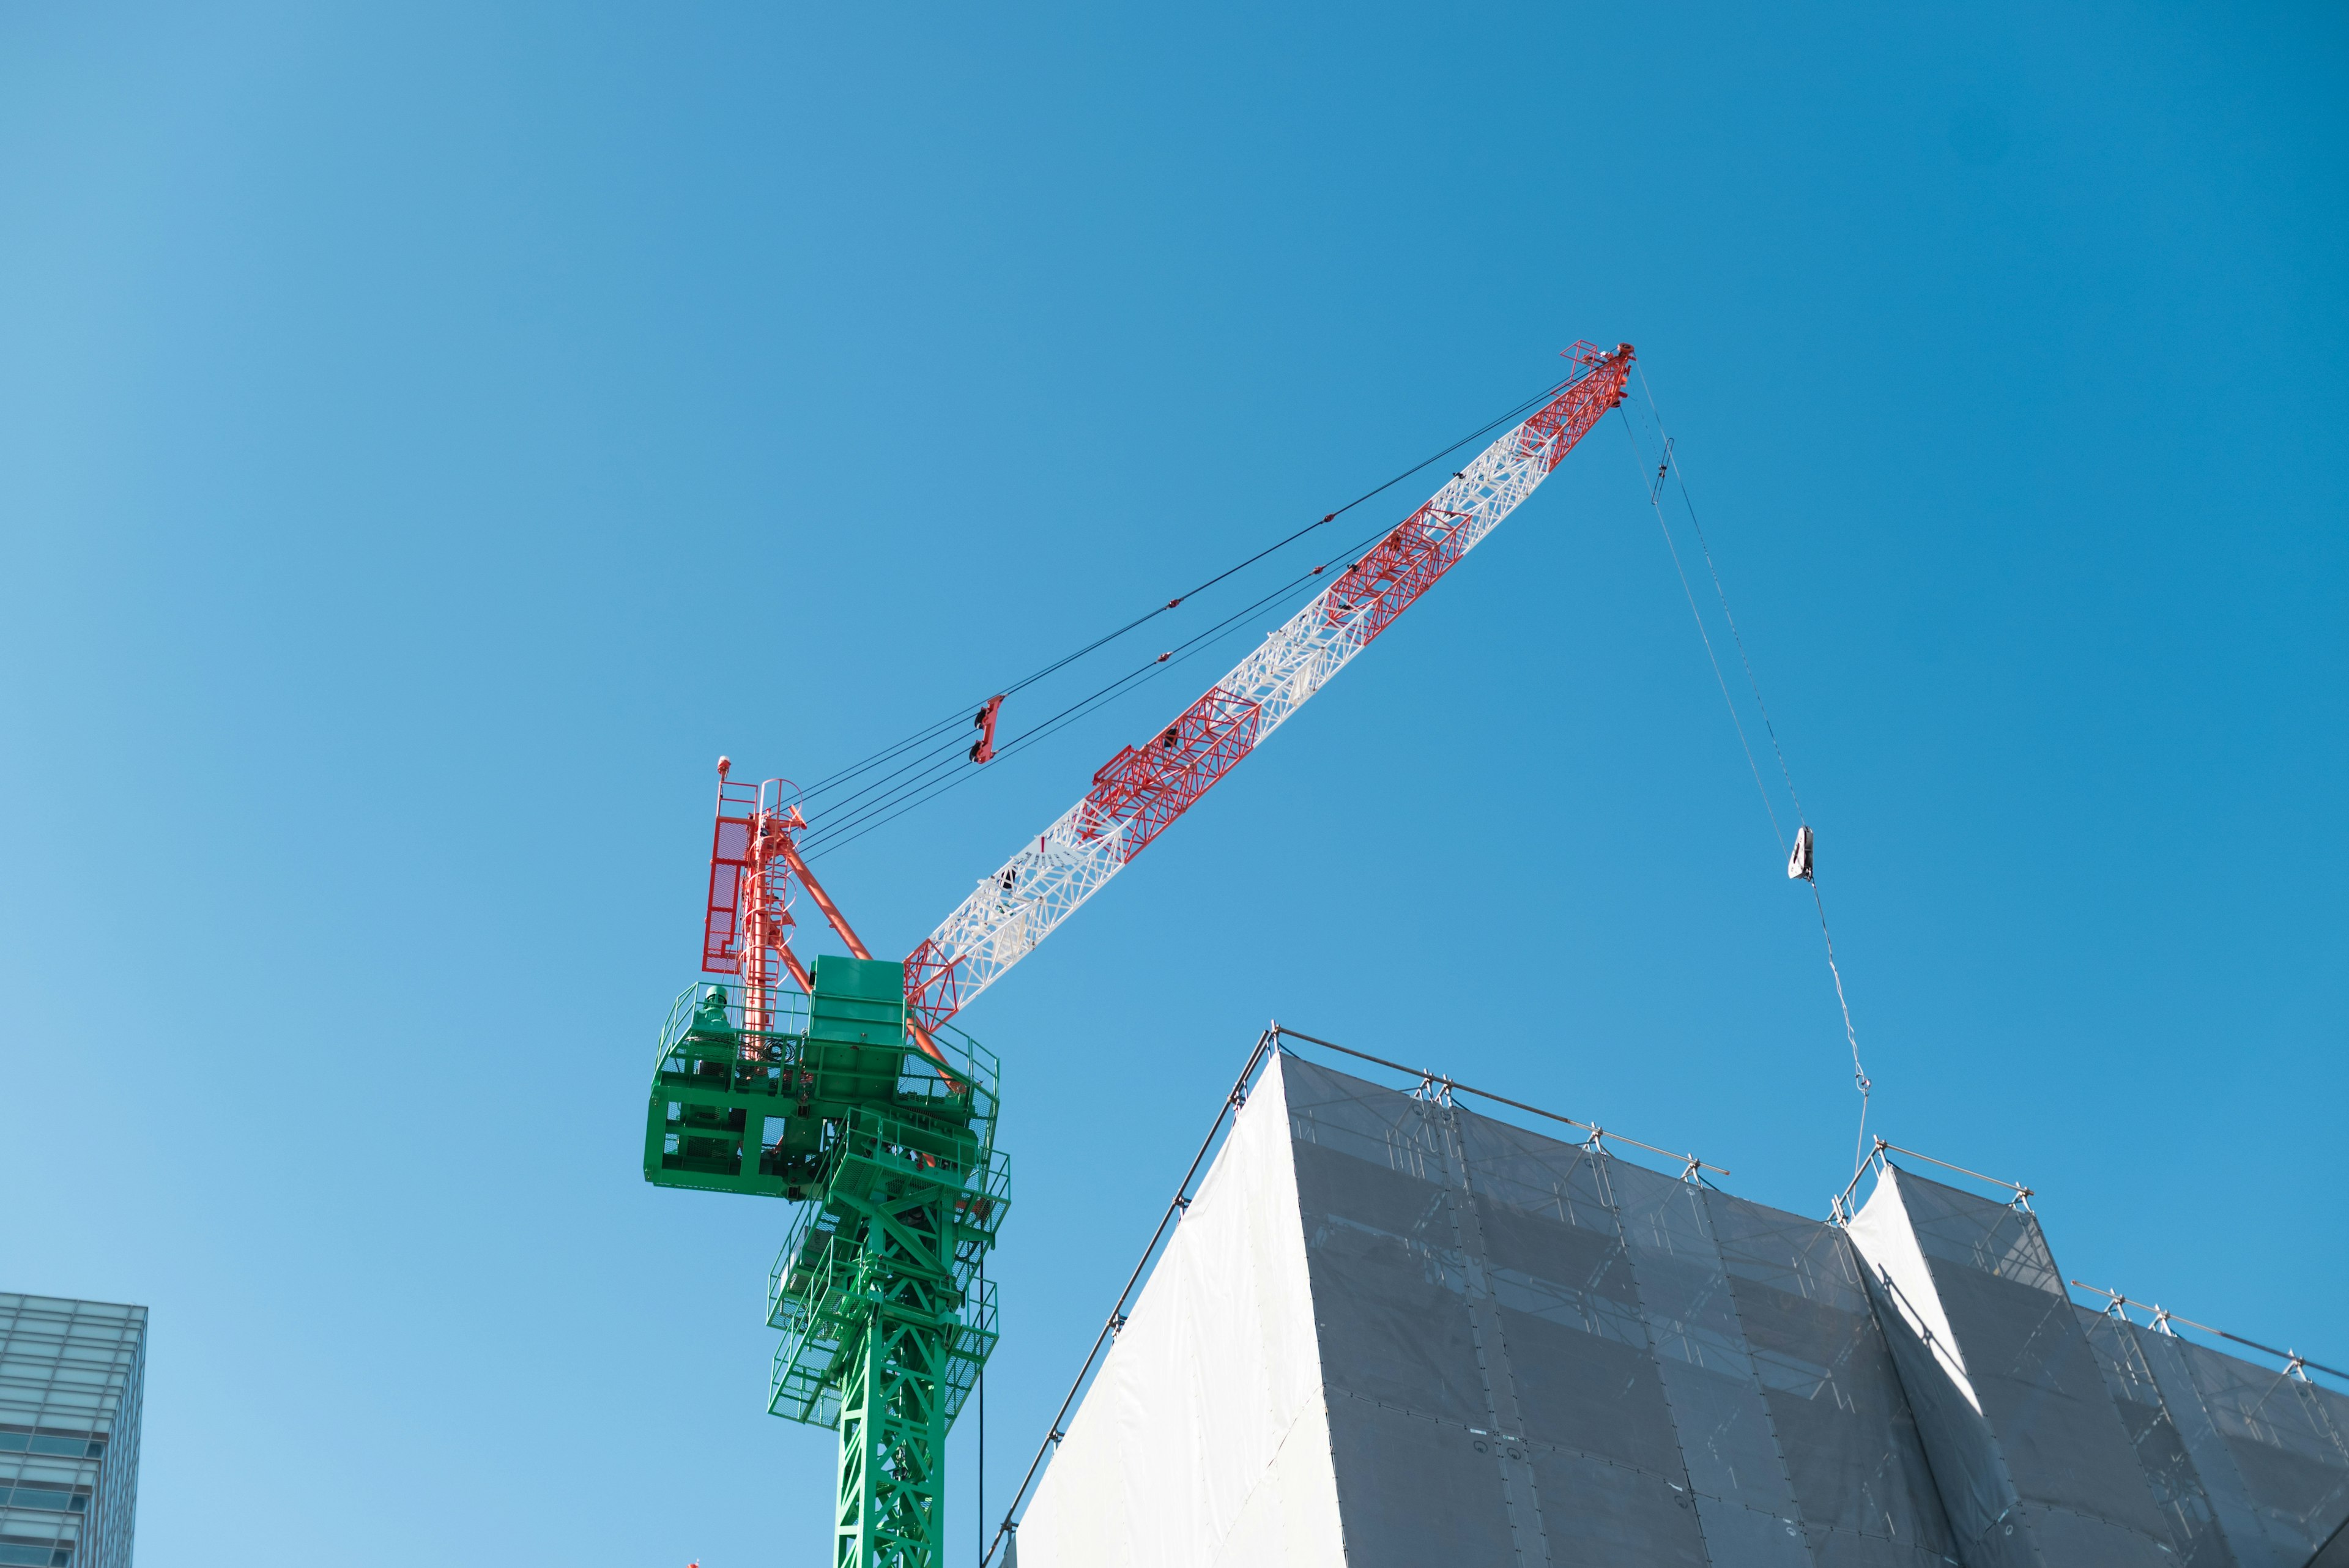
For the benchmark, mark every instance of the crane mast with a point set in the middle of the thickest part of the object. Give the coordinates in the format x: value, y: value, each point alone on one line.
x: 1139, y: 792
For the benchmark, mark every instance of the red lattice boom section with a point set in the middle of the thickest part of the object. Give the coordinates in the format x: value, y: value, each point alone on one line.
x: 1147, y: 787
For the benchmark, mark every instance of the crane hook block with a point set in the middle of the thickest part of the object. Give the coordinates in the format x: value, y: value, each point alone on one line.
x: 1798, y: 864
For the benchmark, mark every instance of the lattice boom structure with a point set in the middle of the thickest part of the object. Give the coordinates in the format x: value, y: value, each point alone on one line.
x: 1140, y: 791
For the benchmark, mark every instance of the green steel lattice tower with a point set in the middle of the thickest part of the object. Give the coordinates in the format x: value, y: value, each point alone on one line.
x: 879, y: 1290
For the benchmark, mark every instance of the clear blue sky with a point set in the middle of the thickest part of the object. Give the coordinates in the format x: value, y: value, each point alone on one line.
x: 430, y: 435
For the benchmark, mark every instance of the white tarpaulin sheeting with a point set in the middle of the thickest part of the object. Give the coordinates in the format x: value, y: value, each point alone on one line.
x: 1202, y: 1440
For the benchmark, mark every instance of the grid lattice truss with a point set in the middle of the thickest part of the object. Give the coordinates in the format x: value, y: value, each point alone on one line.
x: 71, y: 1380
x: 2061, y: 1435
x: 1389, y: 1332
x: 1031, y: 894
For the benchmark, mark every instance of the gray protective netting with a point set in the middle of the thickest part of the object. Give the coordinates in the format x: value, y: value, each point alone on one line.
x: 2171, y: 1476
x: 1849, y: 1438
x: 2100, y: 1444
x: 1969, y: 1476
x: 2269, y: 1447
x: 1535, y: 1352
x: 2074, y: 1489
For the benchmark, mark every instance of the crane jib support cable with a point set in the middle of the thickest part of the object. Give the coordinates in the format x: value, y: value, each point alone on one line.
x: 931, y: 731
x: 1142, y: 790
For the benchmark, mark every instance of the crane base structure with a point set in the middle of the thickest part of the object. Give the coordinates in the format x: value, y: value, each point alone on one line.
x: 880, y: 1291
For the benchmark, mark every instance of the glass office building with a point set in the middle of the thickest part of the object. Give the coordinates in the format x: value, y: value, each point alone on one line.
x: 70, y: 1377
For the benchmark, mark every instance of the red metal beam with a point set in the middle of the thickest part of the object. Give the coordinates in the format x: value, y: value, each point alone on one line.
x: 822, y: 900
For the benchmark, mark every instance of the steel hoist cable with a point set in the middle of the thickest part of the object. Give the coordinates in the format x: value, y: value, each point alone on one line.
x: 1800, y: 863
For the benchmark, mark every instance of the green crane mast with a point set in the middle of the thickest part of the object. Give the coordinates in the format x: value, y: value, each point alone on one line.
x: 885, y: 1136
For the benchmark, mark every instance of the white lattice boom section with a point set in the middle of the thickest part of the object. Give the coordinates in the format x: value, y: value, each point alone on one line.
x: 1142, y: 790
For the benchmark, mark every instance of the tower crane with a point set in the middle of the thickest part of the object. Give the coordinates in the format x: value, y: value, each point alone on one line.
x: 851, y: 1089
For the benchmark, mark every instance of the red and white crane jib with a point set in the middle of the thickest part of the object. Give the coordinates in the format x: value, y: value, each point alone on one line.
x: 1142, y: 789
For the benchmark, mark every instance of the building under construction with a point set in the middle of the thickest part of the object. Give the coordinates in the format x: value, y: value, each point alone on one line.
x: 1388, y: 1331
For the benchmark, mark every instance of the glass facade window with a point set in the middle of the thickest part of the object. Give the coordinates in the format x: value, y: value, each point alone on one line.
x: 71, y: 1376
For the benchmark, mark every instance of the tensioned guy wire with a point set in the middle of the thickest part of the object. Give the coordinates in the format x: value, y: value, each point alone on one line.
x: 838, y: 835
x: 938, y: 769
x: 929, y: 733
x: 1668, y: 464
